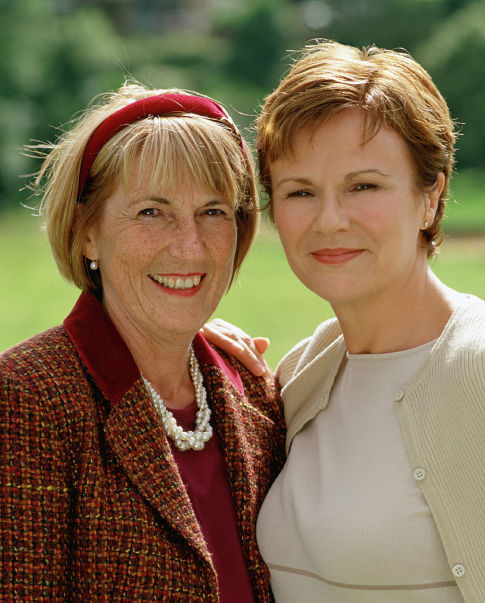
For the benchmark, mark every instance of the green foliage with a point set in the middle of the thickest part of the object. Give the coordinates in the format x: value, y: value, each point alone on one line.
x: 259, y: 31
x: 389, y: 24
x: 58, y: 54
x: 454, y: 55
x: 50, y: 66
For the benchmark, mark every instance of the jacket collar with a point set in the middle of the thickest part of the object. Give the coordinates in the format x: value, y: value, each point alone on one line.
x: 108, y: 358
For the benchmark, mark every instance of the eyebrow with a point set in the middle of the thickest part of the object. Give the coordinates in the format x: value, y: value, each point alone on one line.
x: 349, y: 176
x: 295, y: 180
x: 363, y: 172
x: 163, y: 201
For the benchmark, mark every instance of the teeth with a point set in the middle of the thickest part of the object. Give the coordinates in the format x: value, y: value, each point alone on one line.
x: 179, y: 283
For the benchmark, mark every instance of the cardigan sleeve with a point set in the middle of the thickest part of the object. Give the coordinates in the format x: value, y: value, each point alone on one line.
x: 287, y: 365
x: 35, y: 493
x: 305, y: 351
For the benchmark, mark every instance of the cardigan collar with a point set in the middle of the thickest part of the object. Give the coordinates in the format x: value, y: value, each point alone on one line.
x: 107, y: 356
x: 307, y: 391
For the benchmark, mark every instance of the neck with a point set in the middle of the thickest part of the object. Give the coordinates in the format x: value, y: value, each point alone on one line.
x: 169, y: 375
x: 163, y: 360
x: 403, y: 319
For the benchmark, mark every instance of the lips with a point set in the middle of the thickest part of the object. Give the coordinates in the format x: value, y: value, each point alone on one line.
x: 179, y: 284
x: 336, y: 255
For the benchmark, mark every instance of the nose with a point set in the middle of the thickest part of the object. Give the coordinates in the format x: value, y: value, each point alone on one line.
x: 187, y: 242
x: 330, y: 215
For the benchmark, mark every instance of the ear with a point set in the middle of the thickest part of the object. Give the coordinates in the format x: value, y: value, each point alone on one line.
x: 433, y: 197
x: 90, y: 249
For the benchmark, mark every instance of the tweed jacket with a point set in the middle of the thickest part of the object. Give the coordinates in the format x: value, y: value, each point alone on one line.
x: 92, y: 505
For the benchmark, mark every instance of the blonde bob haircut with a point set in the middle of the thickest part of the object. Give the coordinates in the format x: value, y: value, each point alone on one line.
x: 390, y: 87
x: 174, y: 148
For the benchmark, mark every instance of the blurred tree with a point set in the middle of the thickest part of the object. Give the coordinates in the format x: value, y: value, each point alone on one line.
x: 51, y: 63
x: 390, y: 24
x: 57, y: 54
x: 454, y: 54
x: 258, y: 33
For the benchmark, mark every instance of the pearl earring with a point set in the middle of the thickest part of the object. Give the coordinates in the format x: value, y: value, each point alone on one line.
x: 93, y: 264
x: 426, y: 224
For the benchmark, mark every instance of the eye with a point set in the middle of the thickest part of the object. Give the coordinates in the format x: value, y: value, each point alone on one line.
x: 214, y: 211
x: 218, y: 212
x: 149, y: 211
x: 364, y: 186
x: 298, y: 194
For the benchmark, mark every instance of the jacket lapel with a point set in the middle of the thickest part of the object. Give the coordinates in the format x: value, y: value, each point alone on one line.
x: 131, y: 425
x: 231, y: 416
x: 138, y: 440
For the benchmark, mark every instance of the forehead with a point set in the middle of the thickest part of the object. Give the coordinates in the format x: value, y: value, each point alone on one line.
x: 188, y: 194
x: 344, y: 140
x: 155, y: 178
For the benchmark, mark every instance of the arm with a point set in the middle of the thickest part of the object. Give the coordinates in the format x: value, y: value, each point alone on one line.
x: 234, y: 341
x: 35, y: 496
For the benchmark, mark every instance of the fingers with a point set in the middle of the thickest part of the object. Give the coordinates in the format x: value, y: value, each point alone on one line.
x: 236, y: 342
x: 261, y: 344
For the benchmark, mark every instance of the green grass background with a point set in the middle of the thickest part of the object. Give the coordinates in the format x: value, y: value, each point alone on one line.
x: 266, y: 299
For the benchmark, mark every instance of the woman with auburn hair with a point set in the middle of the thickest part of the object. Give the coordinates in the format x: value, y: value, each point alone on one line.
x: 134, y: 455
x: 381, y: 497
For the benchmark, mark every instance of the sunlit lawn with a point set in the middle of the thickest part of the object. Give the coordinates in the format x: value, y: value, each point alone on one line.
x: 466, y: 211
x: 267, y: 299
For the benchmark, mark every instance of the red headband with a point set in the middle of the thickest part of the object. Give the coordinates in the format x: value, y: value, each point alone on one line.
x: 159, y: 104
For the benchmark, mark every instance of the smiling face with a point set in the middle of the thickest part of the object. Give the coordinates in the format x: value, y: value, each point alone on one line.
x: 349, y: 214
x: 165, y: 259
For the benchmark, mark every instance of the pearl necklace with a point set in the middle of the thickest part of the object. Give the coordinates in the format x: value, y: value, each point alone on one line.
x: 186, y: 440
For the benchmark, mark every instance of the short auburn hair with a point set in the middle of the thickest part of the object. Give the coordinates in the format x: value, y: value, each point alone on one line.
x: 177, y: 147
x: 392, y: 90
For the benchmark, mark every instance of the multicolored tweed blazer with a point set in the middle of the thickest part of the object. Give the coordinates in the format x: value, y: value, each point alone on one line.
x: 92, y: 505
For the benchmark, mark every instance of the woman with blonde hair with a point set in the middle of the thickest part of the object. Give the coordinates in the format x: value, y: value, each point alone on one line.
x: 134, y: 455
x: 381, y: 498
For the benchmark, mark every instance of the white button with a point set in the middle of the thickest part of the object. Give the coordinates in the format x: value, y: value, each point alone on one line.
x: 458, y: 570
x: 419, y: 474
x: 398, y: 396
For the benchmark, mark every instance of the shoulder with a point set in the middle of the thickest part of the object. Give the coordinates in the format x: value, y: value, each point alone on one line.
x: 457, y: 361
x: 325, y: 335
x: 260, y: 392
x: 465, y: 331
x: 44, y: 376
x: 36, y: 352
x: 49, y: 356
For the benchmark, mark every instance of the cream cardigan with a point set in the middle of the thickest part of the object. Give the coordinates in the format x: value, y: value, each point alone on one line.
x: 442, y: 417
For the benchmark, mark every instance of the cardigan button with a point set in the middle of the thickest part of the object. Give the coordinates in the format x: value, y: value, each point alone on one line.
x: 398, y: 396
x: 419, y: 474
x: 458, y: 570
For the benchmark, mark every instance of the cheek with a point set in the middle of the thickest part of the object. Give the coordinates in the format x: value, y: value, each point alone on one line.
x: 281, y: 215
x: 231, y: 246
x: 380, y: 218
x: 222, y: 244
x: 289, y: 222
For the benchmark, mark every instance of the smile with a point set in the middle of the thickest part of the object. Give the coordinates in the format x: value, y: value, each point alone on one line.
x: 177, y: 282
